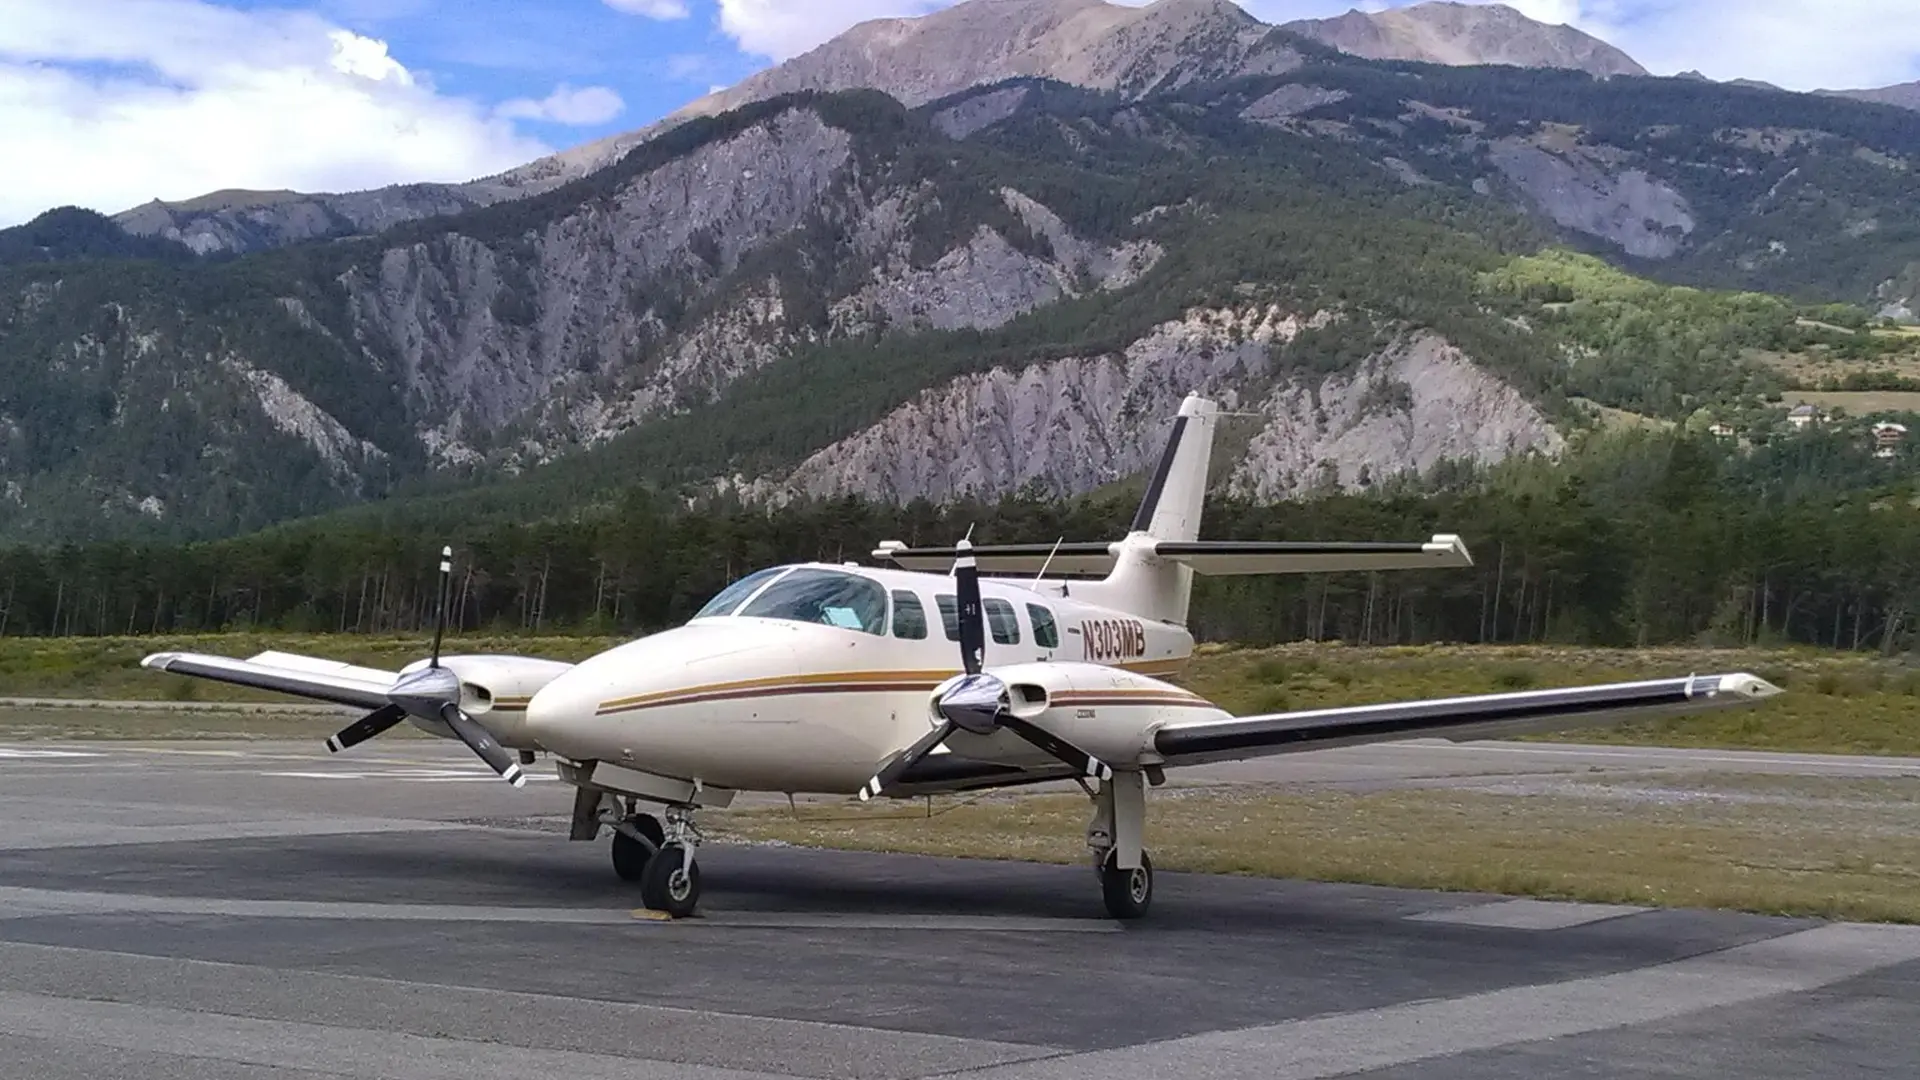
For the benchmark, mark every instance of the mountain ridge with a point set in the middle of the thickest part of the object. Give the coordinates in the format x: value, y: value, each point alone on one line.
x: 1089, y: 43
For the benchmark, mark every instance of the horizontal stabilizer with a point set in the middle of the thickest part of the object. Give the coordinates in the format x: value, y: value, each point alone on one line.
x: 300, y: 681
x: 1208, y: 557
x: 1485, y: 716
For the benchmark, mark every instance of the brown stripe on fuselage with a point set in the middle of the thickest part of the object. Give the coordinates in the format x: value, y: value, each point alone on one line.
x: 931, y: 678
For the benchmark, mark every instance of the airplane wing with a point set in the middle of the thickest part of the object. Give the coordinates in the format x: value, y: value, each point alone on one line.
x: 285, y: 673
x: 1209, y: 557
x: 1459, y: 719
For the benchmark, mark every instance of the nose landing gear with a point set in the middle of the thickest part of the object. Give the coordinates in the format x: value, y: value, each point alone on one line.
x: 636, y: 840
x: 670, y: 882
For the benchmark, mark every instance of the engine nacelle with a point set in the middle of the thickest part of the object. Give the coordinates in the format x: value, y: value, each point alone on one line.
x: 1109, y: 712
x: 494, y: 690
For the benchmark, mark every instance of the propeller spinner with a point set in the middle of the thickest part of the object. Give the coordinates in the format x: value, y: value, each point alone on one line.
x: 433, y: 693
x: 977, y: 703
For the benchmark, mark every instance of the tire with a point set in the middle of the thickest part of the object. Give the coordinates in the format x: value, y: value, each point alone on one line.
x: 665, y: 887
x: 630, y: 856
x: 1128, y: 893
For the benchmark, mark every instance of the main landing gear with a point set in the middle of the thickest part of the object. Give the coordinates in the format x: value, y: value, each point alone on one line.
x: 658, y: 855
x: 1115, y: 835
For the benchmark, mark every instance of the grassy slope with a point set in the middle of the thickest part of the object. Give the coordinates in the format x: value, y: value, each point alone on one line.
x: 1841, y: 703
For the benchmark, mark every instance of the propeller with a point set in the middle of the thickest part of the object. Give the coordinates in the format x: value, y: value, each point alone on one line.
x: 977, y: 702
x: 433, y: 693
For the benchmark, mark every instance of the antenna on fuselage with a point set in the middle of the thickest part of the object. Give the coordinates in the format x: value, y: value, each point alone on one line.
x: 1040, y: 578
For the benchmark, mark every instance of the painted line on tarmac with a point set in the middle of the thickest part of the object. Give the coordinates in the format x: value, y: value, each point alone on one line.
x: 18, y: 902
x: 1375, y: 1039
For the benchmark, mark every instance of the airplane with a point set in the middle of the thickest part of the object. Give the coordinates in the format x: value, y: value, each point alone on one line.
x: 1050, y: 663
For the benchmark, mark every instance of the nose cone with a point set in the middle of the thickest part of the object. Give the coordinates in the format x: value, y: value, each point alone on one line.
x: 609, y: 706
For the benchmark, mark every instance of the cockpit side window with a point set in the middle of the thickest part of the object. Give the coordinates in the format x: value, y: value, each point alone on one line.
x: 730, y: 597
x: 949, y: 615
x: 1001, y: 621
x: 832, y: 597
x: 909, y: 618
x: 1046, y: 633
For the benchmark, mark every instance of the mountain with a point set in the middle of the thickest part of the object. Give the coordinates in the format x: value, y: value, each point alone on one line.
x: 1905, y: 95
x: 70, y: 232
x: 1003, y: 289
x: 1088, y: 43
x: 1440, y: 32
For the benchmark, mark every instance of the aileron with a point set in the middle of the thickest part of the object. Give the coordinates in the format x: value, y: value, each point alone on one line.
x: 1484, y: 716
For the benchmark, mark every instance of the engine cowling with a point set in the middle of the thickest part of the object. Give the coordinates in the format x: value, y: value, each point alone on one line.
x: 1107, y: 711
x: 494, y: 690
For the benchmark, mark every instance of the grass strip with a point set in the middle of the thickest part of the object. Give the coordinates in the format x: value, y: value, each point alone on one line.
x: 1826, y: 847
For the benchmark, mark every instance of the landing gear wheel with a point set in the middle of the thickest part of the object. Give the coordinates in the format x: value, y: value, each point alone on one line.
x: 671, y: 882
x: 1128, y: 892
x: 630, y: 856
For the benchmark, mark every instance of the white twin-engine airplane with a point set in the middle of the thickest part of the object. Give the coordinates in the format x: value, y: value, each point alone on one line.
x: 835, y: 679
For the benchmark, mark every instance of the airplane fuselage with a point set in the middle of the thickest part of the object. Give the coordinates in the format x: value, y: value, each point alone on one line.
x: 779, y: 691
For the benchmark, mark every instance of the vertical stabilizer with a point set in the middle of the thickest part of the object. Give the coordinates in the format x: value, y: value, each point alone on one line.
x: 1141, y: 583
x: 1177, y: 491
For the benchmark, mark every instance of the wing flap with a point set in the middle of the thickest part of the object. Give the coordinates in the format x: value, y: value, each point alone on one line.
x: 323, y: 666
x: 1486, y: 716
x: 340, y: 689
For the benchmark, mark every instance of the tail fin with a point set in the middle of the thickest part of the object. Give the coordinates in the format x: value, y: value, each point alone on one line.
x: 1178, y: 490
x: 1149, y: 572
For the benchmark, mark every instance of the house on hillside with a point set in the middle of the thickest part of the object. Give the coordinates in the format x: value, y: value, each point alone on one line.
x: 1803, y: 416
x: 1887, y: 437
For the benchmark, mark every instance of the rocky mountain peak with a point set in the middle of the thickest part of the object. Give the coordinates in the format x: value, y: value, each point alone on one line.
x: 1446, y: 32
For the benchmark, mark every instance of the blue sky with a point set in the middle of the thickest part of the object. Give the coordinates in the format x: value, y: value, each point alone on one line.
x: 498, y: 50
x: 116, y: 102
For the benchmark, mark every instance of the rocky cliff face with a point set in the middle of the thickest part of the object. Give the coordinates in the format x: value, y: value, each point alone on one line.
x: 483, y: 331
x: 1072, y: 425
x: 1453, y: 33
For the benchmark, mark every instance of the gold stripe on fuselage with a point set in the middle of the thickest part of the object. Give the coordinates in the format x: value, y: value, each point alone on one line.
x: 854, y: 682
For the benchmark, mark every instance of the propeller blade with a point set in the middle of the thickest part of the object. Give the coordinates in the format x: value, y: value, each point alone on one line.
x: 1086, y: 764
x: 973, y: 635
x: 481, y: 743
x: 440, y: 606
x: 894, y: 769
x: 366, y: 727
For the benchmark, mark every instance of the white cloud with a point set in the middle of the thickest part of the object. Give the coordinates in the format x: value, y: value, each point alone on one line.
x: 584, y: 106
x: 782, y: 29
x: 652, y: 9
x: 109, y: 103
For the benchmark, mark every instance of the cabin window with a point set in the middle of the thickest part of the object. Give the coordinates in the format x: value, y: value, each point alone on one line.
x: 730, y: 597
x: 1001, y: 620
x: 909, y: 618
x: 1045, y: 633
x: 832, y: 597
x: 949, y: 615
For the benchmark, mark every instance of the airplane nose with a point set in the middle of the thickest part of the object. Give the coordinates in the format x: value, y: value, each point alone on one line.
x: 616, y: 704
x: 567, y: 702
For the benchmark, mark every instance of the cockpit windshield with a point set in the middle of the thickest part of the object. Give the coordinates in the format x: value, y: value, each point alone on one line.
x: 833, y: 597
x: 733, y: 595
